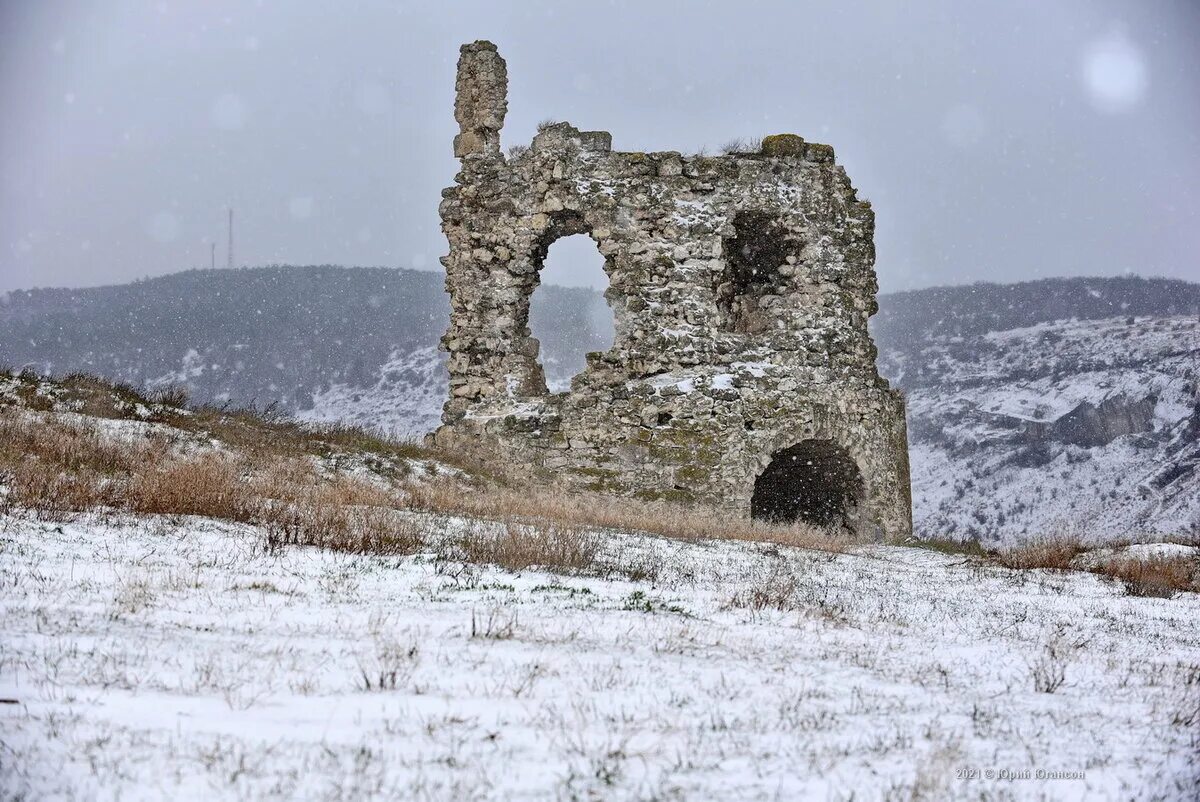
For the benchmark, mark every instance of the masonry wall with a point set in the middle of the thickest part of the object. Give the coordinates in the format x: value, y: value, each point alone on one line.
x: 740, y: 287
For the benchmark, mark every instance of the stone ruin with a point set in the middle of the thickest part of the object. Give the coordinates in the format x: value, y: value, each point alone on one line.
x: 742, y: 374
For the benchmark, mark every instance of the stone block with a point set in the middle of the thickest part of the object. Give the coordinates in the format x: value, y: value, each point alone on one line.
x: 782, y: 145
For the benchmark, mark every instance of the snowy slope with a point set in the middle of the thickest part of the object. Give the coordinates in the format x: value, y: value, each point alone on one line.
x: 151, y: 659
x: 405, y: 400
x: 1080, y: 427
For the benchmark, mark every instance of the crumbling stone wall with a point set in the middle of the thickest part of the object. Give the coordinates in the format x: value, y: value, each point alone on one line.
x: 742, y: 373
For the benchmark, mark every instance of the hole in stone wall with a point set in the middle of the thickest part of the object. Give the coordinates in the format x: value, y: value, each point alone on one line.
x: 568, y: 313
x: 753, y: 256
x: 815, y: 482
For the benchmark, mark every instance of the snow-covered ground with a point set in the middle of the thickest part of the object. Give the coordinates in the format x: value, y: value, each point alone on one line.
x: 152, y: 659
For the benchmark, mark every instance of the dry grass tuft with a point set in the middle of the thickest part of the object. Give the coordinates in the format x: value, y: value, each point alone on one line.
x: 741, y: 146
x: 519, y: 546
x: 1157, y: 576
x: 1054, y: 554
x: 211, y: 486
x: 56, y: 496
x: 356, y: 530
x: 172, y: 395
x: 533, y: 505
x: 1049, y: 671
x: 391, y: 665
x: 774, y: 590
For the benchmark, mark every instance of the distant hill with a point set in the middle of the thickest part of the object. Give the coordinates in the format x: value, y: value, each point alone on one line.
x: 907, y: 321
x: 1032, y: 406
x: 269, y: 335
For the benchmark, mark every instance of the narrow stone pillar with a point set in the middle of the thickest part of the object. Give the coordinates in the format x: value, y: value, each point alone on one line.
x: 481, y: 100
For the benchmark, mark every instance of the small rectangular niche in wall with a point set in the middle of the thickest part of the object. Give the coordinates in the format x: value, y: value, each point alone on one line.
x: 753, y: 258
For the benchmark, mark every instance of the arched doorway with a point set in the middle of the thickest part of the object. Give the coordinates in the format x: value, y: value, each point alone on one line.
x: 814, y: 481
x: 568, y: 313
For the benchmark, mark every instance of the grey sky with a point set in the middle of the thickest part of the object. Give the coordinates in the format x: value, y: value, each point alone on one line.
x: 998, y: 141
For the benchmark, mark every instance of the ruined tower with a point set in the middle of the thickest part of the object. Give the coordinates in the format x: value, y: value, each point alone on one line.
x: 742, y: 374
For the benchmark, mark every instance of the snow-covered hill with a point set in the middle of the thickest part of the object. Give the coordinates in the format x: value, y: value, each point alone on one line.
x: 405, y: 399
x: 1072, y: 427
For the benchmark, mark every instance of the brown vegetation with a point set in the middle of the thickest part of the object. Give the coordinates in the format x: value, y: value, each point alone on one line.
x: 259, y: 429
x: 276, y: 474
x: 59, y: 469
x: 517, y: 547
x: 1158, y: 575
x: 1155, y: 575
x: 1051, y: 553
x: 531, y: 504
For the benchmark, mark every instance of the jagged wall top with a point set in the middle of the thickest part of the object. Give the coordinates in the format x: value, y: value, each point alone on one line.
x: 740, y: 287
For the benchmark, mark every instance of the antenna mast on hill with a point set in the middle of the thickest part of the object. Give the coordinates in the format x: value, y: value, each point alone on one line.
x: 230, y: 264
x: 212, y: 256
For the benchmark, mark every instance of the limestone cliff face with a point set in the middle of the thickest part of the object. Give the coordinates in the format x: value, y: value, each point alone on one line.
x: 1099, y: 424
x: 740, y: 285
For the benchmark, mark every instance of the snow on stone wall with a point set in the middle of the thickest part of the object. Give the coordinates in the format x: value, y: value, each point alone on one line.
x: 714, y: 263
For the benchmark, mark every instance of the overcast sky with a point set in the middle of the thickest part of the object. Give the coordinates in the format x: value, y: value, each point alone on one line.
x: 998, y: 141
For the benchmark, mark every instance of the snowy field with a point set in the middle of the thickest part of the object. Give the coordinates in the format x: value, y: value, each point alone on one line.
x: 177, y: 660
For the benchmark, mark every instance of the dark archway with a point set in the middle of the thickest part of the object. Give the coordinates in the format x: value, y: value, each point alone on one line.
x: 815, y: 482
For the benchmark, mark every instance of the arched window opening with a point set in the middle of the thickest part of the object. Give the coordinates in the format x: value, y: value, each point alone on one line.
x: 815, y: 482
x: 567, y: 313
x: 753, y: 258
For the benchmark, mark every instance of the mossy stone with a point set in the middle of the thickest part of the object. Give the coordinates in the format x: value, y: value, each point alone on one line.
x: 783, y: 145
x: 693, y: 474
x: 820, y: 153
